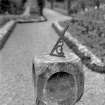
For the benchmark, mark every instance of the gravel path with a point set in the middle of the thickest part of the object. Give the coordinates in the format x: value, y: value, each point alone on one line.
x: 29, y: 40
x: 16, y: 57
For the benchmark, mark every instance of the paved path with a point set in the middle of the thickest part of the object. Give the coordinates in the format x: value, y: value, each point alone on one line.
x: 29, y: 40
x: 16, y: 57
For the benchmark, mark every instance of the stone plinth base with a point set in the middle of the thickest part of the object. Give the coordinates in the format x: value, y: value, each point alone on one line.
x: 58, y: 81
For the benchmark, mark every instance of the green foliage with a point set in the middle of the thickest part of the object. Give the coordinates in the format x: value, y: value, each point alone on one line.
x: 12, y: 6
x: 78, y: 5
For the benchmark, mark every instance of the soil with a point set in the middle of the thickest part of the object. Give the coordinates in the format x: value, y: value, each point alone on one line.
x: 89, y: 29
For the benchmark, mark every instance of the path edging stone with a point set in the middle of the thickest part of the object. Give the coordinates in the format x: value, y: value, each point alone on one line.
x: 31, y: 20
x: 5, y: 31
x: 95, y: 64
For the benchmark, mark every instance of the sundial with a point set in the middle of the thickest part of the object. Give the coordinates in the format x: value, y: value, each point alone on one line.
x: 58, y: 47
x: 58, y: 79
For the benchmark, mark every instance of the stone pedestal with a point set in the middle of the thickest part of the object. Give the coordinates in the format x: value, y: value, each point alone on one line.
x: 57, y: 80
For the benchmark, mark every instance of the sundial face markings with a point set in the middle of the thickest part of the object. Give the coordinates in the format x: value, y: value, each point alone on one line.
x: 58, y: 47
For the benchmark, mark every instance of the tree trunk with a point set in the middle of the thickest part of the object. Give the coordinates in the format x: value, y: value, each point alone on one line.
x: 52, y: 4
x: 68, y: 6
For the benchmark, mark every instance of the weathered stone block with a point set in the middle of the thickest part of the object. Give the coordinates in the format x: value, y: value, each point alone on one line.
x: 57, y: 80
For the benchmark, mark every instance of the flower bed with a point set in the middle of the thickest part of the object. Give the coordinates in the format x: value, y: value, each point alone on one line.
x: 94, y: 14
x: 89, y: 29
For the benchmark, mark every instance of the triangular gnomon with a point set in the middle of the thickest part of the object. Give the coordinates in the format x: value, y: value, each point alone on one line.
x: 58, y: 47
